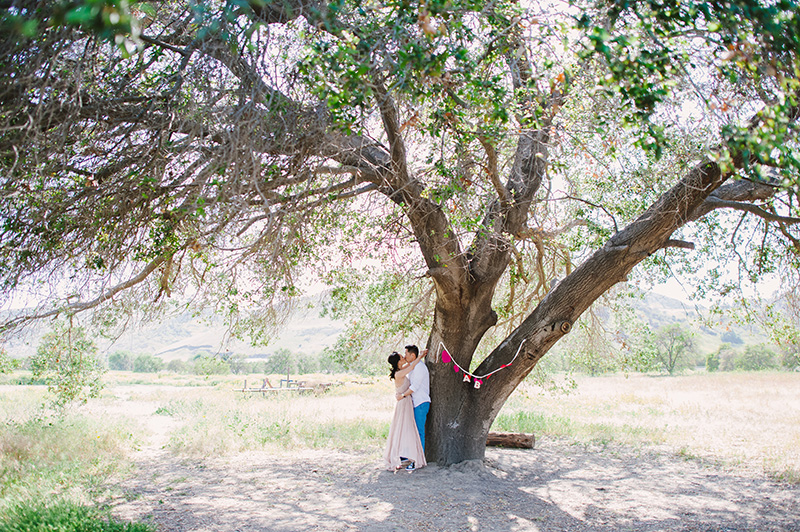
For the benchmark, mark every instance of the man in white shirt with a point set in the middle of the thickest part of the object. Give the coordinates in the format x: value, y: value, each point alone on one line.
x: 420, y: 389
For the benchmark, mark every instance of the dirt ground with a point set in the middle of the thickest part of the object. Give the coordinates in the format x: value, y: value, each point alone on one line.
x: 557, y: 486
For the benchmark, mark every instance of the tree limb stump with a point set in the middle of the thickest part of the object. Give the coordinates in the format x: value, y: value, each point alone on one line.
x: 510, y: 439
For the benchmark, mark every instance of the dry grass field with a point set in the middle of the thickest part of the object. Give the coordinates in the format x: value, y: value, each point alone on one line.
x: 747, y: 420
x: 188, y: 453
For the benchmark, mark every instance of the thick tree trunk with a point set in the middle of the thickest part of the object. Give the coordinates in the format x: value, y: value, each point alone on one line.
x: 459, y: 420
x: 452, y: 436
x: 461, y: 415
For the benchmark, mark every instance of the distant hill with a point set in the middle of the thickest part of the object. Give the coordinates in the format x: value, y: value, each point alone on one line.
x: 659, y: 310
x: 185, y: 336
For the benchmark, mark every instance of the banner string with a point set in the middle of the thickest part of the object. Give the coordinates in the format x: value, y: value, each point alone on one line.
x: 447, y: 358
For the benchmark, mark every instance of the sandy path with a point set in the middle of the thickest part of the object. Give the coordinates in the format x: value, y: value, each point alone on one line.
x: 556, y: 487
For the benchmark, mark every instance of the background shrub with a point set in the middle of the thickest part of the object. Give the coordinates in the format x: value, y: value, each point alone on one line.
x: 147, y: 364
x: 756, y: 358
x: 120, y: 361
x: 67, y: 361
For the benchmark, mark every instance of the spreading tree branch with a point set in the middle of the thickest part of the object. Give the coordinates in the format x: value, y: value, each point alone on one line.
x: 80, y: 306
x: 714, y: 202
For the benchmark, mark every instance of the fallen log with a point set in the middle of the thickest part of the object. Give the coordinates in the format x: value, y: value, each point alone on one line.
x: 511, y: 439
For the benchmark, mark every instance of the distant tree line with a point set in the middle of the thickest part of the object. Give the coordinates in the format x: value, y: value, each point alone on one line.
x: 670, y: 349
x: 752, y: 358
x: 68, y: 361
x: 206, y: 363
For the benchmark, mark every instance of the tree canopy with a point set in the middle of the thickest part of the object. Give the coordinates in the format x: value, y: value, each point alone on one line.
x: 516, y: 159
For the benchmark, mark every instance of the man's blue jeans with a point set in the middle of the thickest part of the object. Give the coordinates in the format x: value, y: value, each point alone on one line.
x: 420, y: 415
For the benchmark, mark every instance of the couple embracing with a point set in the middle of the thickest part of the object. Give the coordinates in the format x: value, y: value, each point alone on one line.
x: 406, y: 446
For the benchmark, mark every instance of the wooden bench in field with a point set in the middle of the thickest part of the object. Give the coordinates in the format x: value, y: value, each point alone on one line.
x: 267, y: 387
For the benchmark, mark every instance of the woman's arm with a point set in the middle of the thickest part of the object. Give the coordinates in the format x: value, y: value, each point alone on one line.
x: 406, y: 370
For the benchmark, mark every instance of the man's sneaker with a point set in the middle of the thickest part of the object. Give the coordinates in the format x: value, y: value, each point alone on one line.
x: 410, y: 467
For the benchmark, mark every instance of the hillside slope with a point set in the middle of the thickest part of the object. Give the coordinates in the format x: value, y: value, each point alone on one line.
x: 186, y: 335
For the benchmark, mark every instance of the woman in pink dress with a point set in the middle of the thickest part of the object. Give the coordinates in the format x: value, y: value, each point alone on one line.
x: 403, y: 449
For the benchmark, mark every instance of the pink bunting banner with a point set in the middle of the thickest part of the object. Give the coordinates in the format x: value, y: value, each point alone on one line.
x: 477, y: 380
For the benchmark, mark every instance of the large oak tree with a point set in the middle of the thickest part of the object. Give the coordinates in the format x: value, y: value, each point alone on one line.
x: 220, y: 149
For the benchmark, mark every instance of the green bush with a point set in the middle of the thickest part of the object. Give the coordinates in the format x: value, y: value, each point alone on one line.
x: 756, y: 358
x: 712, y: 362
x: 210, y: 365
x: 147, y: 364
x: 64, y: 517
x: 178, y: 366
x: 727, y: 356
x: 7, y: 364
x: 67, y: 360
x: 120, y: 361
x: 790, y: 358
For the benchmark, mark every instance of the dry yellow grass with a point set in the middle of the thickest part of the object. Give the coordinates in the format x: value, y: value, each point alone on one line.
x: 219, y: 419
x: 745, y: 419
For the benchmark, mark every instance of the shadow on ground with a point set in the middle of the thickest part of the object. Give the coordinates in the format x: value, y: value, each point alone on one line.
x: 557, y: 487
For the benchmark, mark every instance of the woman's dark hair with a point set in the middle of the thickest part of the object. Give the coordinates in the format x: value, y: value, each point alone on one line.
x: 394, y: 360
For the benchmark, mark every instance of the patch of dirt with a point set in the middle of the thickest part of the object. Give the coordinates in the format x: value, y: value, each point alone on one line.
x: 555, y: 487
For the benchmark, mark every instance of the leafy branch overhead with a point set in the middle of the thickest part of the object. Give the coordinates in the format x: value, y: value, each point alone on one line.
x: 219, y: 149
